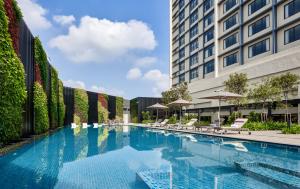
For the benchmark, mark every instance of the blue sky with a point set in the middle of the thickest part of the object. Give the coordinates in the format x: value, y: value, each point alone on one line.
x: 120, y: 47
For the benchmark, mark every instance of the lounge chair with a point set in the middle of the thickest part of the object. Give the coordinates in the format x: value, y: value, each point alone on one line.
x: 84, y: 125
x: 73, y: 125
x: 163, y: 123
x: 189, y: 125
x: 155, y: 123
x: 215, y: 126
x: 237, y: 126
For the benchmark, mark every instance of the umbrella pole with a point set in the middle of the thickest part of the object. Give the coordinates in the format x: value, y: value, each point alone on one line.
x: 156, y: 115
x: 219, y: 115
x: 180, y: 116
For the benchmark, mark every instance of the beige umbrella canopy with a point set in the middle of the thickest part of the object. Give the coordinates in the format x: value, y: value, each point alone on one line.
x: 157, y: 106
x: 221, y: 95
x: 180, y: 103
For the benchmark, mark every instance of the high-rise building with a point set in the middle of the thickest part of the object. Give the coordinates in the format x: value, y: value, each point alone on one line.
x: 211, y: 39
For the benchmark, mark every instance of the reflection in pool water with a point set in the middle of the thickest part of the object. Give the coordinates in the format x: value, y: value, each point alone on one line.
x: 104, y: 158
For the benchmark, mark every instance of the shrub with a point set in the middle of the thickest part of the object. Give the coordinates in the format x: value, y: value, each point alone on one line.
x: 40, y: 57
x: 261, y: 126
x: 233, y: 116
x: 81, y: 105
x: 172, y: 120
x: 12, y: 85
x: 61, y: 104
x: 54, y: 99
x: 102, y: 113
x: 254, y: 117
x: 295, y: 129
x: 201, y: 123
x: 41, y: 122
x: 146, y: 115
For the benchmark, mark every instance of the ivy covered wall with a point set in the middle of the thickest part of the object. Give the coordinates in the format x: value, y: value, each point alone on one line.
x: 41, y: 60
x: 61, y: 104
x: 12, y: 84
x: 81, y: 106
x: 119, y: 108
x: 134, y: 111
x: 54, y: 99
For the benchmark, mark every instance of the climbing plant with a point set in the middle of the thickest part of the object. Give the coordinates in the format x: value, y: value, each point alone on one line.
x: 41, y: 59
x: 61, y: 104
x: 119, y: 108
x: 41, y: 122
x: 54, y: 99
x: 103, y: 99
x: 102, y: 113
x: 81, y: 106
x: 12, y: 85
x: 134, y: 111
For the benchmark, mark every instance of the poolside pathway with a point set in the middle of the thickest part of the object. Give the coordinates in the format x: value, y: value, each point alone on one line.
x: 262, y: 136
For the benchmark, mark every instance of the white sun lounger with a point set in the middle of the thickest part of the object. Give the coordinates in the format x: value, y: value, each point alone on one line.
x: 84, y: 125
x: 190, y: 124
x: 95, y: 125
x: 237, y: 126
x: 73, y: 125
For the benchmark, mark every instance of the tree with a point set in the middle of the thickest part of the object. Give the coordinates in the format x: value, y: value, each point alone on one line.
x: 175, y: 93
x: 237, y: 83
x: 286, y: 83
x: 264, y: 93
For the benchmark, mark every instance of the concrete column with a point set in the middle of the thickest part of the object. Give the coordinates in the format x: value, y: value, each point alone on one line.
x: 216, y: 35
x: 299, y: 114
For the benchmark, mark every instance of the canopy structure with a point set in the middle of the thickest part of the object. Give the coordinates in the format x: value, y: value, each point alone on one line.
x: 221, y: 95
x: 157, y: 106
x: 180, y: 103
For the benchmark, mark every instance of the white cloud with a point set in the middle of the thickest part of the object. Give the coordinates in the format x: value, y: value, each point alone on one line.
x: 110, y: 91
x: 145, y: 61
x: 160, y: 81
x: 34, y: 15
x: 64, y: 19
x: 134, y: 73
x: 101, y: 40
x: 74, y: 84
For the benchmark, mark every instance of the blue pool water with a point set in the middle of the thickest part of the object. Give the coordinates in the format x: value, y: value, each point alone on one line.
x: 137, y: 158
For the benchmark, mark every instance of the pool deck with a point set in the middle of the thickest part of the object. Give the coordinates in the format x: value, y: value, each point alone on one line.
x: 275, y: 137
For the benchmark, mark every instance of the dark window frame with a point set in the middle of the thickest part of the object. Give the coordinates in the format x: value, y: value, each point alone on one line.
x: 267, y: 39
x: 267, y: 16
x: 292, y: 28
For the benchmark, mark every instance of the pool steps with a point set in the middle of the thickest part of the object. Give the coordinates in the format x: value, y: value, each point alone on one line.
x: 277, y: 176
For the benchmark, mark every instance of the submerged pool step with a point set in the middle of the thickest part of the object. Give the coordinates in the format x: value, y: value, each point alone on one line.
x: 276, y: 176
x: 156, y: 178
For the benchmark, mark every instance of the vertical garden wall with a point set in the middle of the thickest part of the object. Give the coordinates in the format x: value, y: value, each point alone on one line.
x: 81, y: 106
x: 12, y: 84
x: 134, y: 110
x: 119, y: 108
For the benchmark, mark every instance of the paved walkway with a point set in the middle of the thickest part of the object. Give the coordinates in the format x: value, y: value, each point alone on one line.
x: 262, y: 136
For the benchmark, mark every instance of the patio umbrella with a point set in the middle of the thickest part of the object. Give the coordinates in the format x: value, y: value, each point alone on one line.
x: 157, y: 106
x: 221, y: 95
x: 180, y: 102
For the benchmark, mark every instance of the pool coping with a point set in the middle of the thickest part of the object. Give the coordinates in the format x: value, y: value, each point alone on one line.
x: 23, y: 141
x: 220, y: 135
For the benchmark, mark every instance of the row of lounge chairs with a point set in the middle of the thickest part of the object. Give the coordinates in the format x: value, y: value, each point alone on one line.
x: 237, y: 126
x: 85, y: 125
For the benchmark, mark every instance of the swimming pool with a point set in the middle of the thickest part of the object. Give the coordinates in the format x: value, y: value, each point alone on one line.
x: 136, y: 158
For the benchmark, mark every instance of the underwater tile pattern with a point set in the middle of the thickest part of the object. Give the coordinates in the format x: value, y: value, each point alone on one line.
x: 133, y: 157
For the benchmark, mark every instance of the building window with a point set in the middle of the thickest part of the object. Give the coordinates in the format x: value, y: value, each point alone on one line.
x: 291, y: 8
x: 181, y: 16
x: 193, y: 4
x: 194, y: 59
x: 209, y: 51
x: 231, y: 21
x: 181, y: 78
x: 209, y: 67
x: 181, y: 53
x: 231, y: 40
x: 259, y: 25
x: 181, y: 41
x: 209, y: 35
x: 181, y: 28
x: 194, y: 73
x: 194, y: 31
x: 207, y: 5
x: 181, y: 4
x: 230, y: 59
x: 181, y: 66
x: 209, y: 19
x: 259, y: 48
x: 194, y: 17
x: 194, y: 45
x: 256, y: 5
x: 292, y: 34
x: 229, y: 4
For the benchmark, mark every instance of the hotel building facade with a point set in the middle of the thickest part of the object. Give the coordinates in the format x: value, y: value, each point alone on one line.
x: 211, y: 39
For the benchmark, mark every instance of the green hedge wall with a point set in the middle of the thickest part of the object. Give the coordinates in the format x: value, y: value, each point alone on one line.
x: 41, y: 59
x: 134, y: 111
x: 119, y: 108
x: 12, y: 85
x: 41, y: 123
x: 54, y: 99
x: 81, y: 106
x: 102, y: 113
x: 61, y: 104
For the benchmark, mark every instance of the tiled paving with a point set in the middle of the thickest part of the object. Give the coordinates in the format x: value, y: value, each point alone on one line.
x: 262, y: 136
